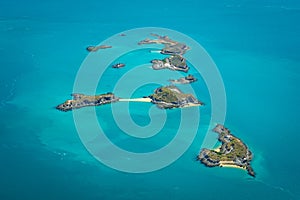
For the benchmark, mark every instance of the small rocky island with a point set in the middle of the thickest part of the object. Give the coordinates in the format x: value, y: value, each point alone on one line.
x: 174, y: 62
x: 168, y: 97
x: 233, y: 152
x: 118, y: 65
x: 170, y: 46
x: 184, y: 80
x: 96, y: 48
x: 81, y: 100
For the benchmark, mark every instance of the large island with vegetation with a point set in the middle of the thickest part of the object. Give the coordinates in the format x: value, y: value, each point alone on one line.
x: 81, y: 100
x: 171, y: 97
x: 233, y: 152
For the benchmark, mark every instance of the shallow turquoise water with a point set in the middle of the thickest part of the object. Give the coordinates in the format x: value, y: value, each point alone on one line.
x: 255, y: 46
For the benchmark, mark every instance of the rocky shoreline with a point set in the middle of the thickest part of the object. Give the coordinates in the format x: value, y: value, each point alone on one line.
x: 232, y: 152
x: 81, y: 100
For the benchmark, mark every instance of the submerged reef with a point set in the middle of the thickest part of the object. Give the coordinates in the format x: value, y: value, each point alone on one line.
x: 81, y: 100
x: 233, y: 152
x: 171, y: 97
x: 174, y: 62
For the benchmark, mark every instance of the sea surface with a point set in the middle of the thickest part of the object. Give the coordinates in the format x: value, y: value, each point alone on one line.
x: 255, y: 45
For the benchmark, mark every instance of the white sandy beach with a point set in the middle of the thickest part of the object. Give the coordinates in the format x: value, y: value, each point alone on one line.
x: 230, y: 164
x: 148, y: 100
x: 191, y: 105
x: 217, y: 149
x: 137, y: 100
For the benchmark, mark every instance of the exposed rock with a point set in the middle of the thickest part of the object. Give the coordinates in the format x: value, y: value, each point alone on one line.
x: 184, y: 80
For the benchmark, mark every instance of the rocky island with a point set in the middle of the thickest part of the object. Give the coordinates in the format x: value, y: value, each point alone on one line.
x: 168, y: 97
x: 184, y: 80
x: 81, y: 100
x: 96, y: 48
x: 170, y: 46
x: 174, y: 62
x: 233, y: 152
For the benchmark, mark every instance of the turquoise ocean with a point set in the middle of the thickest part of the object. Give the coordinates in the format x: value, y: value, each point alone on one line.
x: 255, y: 45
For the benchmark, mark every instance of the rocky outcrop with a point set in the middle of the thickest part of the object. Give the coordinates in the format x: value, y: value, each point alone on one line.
x: 184, y: 80
x: 206, y: 159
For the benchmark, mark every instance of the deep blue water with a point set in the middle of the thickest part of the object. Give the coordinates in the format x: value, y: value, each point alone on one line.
x: 255, y: 45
